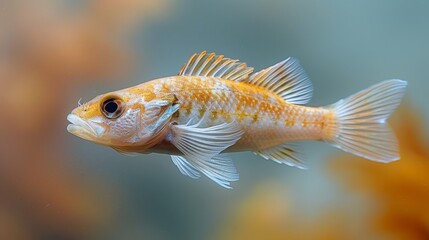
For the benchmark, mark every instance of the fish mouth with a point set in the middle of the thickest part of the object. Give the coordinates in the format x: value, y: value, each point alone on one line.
x: 82, y: 128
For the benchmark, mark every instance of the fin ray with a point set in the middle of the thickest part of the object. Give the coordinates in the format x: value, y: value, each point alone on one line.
x: 286, y: 79
x: 212, y: 65
x: 202, y: 146
x: 185, y: 167
x: 284, y: 154
x: 220, y: 169
x: 205, y: 142
x: 360, y: 125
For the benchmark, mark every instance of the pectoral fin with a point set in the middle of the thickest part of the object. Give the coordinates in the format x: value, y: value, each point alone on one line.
x: 201, y: 148
x: 185, y: 167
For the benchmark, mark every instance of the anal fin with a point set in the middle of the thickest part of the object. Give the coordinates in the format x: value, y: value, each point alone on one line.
x: 284, y: 154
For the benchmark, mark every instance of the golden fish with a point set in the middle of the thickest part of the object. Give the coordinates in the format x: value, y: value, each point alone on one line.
x: 217, y: 105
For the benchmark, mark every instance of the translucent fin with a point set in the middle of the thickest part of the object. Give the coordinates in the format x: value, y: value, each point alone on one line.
x: 185, y: 167
x: 220, y: 168
x: 284, y: 154
x: 201, y: 148
x: 212, y: 65
x: 360, y: 124
x: 286, y: 79
x: 207, y: 142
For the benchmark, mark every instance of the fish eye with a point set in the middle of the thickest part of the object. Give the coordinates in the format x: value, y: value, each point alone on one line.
x: 112, y: 107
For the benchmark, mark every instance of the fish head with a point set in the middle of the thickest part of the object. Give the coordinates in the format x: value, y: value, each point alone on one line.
x: 122, y: 119
x: 107, y: 119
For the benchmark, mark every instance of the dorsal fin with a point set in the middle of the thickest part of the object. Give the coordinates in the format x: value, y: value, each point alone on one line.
x: 212, y: 65
x: 286, y: 79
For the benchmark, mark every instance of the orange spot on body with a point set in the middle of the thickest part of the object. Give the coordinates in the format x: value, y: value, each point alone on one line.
x: 289, y: 123
x: 164, y: 87
x: 255, y: 118
x: 277, y: 112
x: 305, y: 123
x: 188, y: 108
x: 263, y: 107
x: 149, y: 96
x: 214, y: 115
x: 240, y: 115
x: 224, y: 113
x: 201, y: 111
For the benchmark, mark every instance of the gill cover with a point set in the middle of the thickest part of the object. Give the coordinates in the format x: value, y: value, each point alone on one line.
x: 152, y: 119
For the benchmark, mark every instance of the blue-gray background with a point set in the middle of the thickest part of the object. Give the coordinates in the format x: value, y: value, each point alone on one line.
x: 344, y: 46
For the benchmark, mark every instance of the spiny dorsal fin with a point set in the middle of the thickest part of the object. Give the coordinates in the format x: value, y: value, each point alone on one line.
x: 287, y: 79
x: 212, y: 65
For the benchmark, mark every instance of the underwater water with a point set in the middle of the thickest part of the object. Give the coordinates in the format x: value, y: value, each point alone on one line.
x: 54, y: 185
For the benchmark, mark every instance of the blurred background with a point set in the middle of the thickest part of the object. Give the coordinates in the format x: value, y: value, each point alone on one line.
x: 56, y: 186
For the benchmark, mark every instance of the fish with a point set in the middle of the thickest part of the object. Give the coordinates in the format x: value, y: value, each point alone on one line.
x: 216, y: 105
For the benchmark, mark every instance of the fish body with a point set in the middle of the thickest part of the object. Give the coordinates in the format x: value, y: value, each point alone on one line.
x: 265, y: 118
x: 216, y: 105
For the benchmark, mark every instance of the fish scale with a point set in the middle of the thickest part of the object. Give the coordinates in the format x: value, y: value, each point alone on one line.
x: 217, y: 105
x: 227, y: 100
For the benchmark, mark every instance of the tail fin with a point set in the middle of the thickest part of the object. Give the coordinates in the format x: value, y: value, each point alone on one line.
x: 358, y: 125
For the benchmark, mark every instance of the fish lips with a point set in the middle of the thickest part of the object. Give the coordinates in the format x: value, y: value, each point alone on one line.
x: 84, y: 129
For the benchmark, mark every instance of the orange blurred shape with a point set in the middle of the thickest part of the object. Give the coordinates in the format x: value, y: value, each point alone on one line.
x: 261, y: 216
x: 268, y: 214
x: 47, y: 49
x: 399, y: 189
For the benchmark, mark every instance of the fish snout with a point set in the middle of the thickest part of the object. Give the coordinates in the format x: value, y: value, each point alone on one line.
x: 84, y: 128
